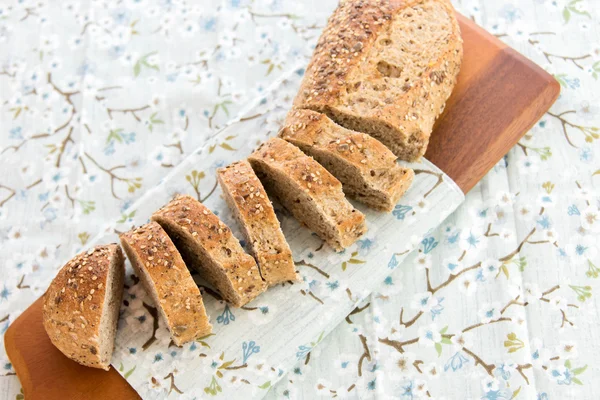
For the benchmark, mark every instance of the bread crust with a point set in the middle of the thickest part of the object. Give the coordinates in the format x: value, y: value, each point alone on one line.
x: 177, y: 295
x: 206, y: 231
x: 73, y: 304
x: 343, y: 59
x: 365, y: 161
x: 322, y: 188
x: 246, y: 197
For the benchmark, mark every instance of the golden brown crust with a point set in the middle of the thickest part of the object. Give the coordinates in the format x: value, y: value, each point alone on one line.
x: 73, y: 304
x: 177, y: 294
x: 365, y: 158
x: 208, y: 232
x: 346, y: 56
x: 248, y: 200
x: 317, y: 183
x: 312, y: 128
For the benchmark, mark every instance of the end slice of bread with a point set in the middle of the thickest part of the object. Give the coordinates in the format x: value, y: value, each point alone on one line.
x: 309, y: 192
x: 81, y: 306
x: 208, y: 245
x: 165, y: 277
x: 386, y: 68
x: 367, y: 169
x: 251, y: 206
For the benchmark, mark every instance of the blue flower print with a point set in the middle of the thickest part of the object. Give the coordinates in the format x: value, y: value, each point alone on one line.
x: 400, y: 211
x: 504, y: 370
x: 573, y: 210
x: 586, y: 155
x: 16, y: 133
x: 456, y: 362
x: 437, y: 309
x: 501, y: 394
x: 121, y: 16
x: 408, y: 390
x: 208, y: 24
x: 4, y: 293
x: 372, y: 385
x: 393, y: 262
x: 365, y: 244
x: 248, y: 349
x: 542, y: 396
x: 226, y: 316
x: 453, y: 239
x: 429, y: 244
x: 110, y: 148
x: 544, y: 222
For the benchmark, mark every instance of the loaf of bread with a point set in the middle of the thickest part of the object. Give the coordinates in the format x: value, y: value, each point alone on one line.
x: 309, y: 192
x: 81, y: 306
x: 165, y: 277
x: 251, y: 206
x: 367, y: 169
x: 208, y: 245
x: 386, y: 68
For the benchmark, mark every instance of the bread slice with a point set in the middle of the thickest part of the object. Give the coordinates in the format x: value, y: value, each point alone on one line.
x: 385, y: 68
x: 309, y: 192
x: 208, y: 245
x: 251, y: 206
x: 367, y: 169
x: 81, y: 306
x: 165, y: 277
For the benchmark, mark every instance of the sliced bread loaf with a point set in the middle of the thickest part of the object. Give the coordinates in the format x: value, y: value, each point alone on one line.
x: 385, y: 68
x: 251, y: 206
x: 208, y: 245
x: 165, y: 277
x: 367, y: 169
x: 309, y: 192
x: 81, y: 306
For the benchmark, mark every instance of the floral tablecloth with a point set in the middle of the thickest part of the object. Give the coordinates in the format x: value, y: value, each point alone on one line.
x: 101, y: 99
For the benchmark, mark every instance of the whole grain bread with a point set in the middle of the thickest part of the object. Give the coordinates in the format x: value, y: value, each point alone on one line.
x: 309, y: 192
x: 81, y: 306
x: 367, y: 169
x: 251, y: 206
x: 208, y: 245
x: 385, y: 68
x: 165, y: 277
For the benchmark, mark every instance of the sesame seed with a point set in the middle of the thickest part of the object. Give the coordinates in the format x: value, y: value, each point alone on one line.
x: 94, y: 277
x: 150, y: 258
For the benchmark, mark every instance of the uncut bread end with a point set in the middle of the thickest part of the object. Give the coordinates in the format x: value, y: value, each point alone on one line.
x: 368, y: 170
x: 253, y: 210
x: 208, y: 246
x: 81, y: 306
x: 386, y: 69
x: 165, y: 277
x: 309, y: 192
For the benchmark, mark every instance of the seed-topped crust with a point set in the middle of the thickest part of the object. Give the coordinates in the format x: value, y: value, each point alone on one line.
x: 203, y: 238
x: 386, y: 68
x: 74, y: 303
x: 249, y: 202
x: 315, y: 190
x: 166, y: 277
x: 367, y: 169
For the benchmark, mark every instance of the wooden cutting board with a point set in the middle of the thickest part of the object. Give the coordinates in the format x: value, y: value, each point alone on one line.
x: 500, y: 95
